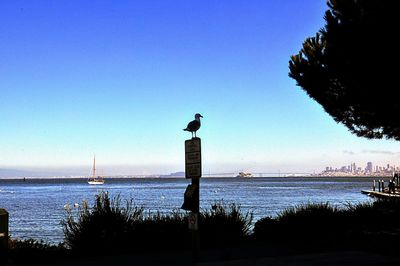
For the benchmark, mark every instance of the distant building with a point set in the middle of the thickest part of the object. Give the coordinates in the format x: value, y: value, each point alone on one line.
x: 353, y: 168
x: 369, y: 168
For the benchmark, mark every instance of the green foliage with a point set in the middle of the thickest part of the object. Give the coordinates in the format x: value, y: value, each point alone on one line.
x: 310, y: 220
x: 314, y: 222
x: 111, y: 227
x: 32, y: 245
x: 31, y: 251
x: 107, y: 226
x: 265, y: 228
x: 349, y: 66
x: 224, y: 225
x: 374, y: 218
x: 161, y: 231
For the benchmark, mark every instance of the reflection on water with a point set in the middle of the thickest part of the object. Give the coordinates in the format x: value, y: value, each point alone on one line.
x: 36, y: 207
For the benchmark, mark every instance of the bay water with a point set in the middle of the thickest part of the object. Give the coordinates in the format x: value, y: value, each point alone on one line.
x: 36, y: 206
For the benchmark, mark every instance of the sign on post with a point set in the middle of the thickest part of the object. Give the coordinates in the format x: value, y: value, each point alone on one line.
x: 193, y: 158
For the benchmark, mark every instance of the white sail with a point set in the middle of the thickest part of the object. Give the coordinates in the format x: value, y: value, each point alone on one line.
x: 95, y: 180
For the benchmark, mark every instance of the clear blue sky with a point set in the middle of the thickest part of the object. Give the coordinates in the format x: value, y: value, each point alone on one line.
x: 121, y: 79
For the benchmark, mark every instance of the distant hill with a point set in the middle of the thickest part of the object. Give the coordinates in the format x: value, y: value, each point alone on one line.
x: 38, y: 172
x: 15, y: 173
x: 176, y: 174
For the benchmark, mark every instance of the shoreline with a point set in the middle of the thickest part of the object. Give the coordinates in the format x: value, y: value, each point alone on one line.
x: 125, y: 177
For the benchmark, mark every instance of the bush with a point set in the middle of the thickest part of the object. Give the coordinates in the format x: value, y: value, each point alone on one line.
x: 224, y: 225
x: 31, y: 251
x: 265, y: 228
x: 309, y: 221
x: 110, y: 227
x: 161, y: 231
x: 107, y: 226
x: 372, y: 218
x: 361, y: 225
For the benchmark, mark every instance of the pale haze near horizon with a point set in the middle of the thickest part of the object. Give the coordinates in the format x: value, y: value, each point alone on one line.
x: 121, y: 80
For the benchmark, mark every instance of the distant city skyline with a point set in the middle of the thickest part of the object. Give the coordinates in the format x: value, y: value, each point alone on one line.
x: 368, y: 169
x: 121, y: 79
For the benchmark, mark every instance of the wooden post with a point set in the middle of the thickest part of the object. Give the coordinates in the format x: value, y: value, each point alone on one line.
x: 3, y: 236
x: 373, y: 186
x: 193, y: 170
x: 383, y: 185
x: 196, y: 212
x: 379, y: 185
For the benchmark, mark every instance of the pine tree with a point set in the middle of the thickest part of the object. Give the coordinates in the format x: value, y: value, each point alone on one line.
x: 349, y: 67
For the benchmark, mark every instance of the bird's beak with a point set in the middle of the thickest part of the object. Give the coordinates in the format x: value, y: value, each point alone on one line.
x: 201, y: 116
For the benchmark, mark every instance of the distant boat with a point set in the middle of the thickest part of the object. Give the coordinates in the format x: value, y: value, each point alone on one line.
x: 95, y: 180
x: 244, y: 175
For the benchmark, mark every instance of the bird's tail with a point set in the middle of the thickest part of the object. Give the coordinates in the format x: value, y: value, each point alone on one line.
x: 185, y: 129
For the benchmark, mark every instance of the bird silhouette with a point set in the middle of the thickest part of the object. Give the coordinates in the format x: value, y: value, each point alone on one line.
x: 194, y: 125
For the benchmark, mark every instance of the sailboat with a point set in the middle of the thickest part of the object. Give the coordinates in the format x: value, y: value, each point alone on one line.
x: 95, y: 180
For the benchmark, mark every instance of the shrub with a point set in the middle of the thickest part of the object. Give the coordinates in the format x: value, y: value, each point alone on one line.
x: 161, y: 231
x: 109, y: 226
x: 309, y: 221
x: 32, y: 245
x: 312, y: 220
x: 31, y: 251
x: 355, y: 225
x: 224, y: 225
x: 265, y: 228
x: 381, y: 215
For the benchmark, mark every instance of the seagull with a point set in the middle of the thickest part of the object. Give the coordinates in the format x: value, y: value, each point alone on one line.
x: 194, y: 125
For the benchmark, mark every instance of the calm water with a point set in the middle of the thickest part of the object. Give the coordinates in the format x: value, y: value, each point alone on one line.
x: 36, y: 207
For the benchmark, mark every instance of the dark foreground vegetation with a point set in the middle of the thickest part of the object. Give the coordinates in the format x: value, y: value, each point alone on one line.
x: 111, y: 227
x: 114, y: 227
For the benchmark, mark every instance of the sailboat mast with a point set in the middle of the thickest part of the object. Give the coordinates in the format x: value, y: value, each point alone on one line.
x: 94, y: 166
